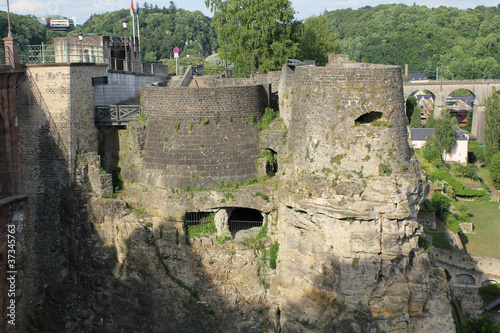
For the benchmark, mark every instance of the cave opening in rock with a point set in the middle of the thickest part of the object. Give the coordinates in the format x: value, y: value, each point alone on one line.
x: 245, y: 223
x: 368, y: 118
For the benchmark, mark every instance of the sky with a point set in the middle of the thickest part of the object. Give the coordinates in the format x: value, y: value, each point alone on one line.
x: 304, y: 8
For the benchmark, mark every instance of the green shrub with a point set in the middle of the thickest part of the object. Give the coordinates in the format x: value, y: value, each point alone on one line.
x: 263, y: 231
x: 490, y: 292
x: 458, y: 188
x: 423, y: 243
x: 272, y: 159
x: 451, y: 222
x: 384, y: 169
x: 273, y: 254
x: 264, y: 197
x: 201, y: 229
x: 482, y: 324
x: 268, y: 116
x: 426, y: 206
x: 441, y: 202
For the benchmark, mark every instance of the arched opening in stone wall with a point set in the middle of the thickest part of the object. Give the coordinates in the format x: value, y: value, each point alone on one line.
x: 488, y: 282
x: 368, y: 118
x: 245, y: 223
x: 4, y: 177
x: 420, y: 100
x: 271, y: 162
x: 460, y: 104
x: 465, y: 279
x: 199, y: 224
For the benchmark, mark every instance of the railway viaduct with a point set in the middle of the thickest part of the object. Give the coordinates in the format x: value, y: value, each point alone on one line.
x: 440, y: 90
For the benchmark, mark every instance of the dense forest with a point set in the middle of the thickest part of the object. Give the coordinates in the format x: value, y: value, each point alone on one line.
x: 461, y: 44
x: 26, y: 29
x: 464, y: 44
x: 161, y: 30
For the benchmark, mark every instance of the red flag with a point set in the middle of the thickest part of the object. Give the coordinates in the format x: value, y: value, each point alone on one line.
x: 131, y: 8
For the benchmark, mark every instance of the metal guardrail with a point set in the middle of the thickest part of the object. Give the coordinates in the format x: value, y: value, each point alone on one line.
x: 63, y: 52
x: 81, y: 53
x: 491, y: 305
x: 116, y: 115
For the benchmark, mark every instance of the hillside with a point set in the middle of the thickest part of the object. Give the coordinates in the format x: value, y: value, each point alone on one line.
x: 161, y: 30
x: 462, y: 43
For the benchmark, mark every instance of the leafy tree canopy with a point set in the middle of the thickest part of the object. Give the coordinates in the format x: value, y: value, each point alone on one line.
x: 26, y: 29
x: 258, y: 36
x: 416, y: 121
x: 492, y: 120
x: 495, y: 169
x: 161, y: 30
x: 463, y: 43
x: 445, y: 133
x: 316, y: 41
x: 480, y: 325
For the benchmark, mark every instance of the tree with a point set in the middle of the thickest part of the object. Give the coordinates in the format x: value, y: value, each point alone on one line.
x: 469, y: 170
x: 411, y: 102
x: 432, y: 152
x: 416, y: 121
x: 492, y: 120
x: 483, y: 324
x: 445, y: 133
x: 255, y: 35
x: 494, y: 168
x: 316, y: 42
x: 468, y: 123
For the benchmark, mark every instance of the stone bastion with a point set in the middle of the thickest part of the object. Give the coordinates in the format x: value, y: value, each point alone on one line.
x: 199, y: 137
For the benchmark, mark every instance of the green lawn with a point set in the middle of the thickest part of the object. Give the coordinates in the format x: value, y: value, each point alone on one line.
x: 486, y: 220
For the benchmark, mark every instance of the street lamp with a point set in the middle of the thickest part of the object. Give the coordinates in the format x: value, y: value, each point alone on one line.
x: 125, y: 23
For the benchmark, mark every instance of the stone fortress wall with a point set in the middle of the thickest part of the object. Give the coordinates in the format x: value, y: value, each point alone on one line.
x: 200, y: 137
x: 481, y: 270
x: 56, y: 123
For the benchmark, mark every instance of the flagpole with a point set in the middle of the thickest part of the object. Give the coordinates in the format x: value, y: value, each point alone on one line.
x: 138, y: 28
x: 133, y: 19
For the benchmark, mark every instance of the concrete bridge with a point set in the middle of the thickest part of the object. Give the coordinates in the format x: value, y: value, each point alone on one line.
x: 480, y: 90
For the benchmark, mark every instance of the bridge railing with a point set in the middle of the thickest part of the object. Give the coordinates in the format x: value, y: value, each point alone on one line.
x: 116, y: 115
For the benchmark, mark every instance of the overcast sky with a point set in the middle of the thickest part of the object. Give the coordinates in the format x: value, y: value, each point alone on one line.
x: 304, y: 8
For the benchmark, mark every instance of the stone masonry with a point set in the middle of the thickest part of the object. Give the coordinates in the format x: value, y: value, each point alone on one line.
x: 199, y: 137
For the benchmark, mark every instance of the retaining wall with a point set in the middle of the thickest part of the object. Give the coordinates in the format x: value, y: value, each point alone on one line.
x: 490, y: 266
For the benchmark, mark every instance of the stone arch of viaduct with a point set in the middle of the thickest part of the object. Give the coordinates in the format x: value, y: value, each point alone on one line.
x: 480, y: 89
